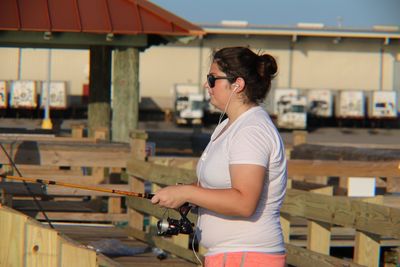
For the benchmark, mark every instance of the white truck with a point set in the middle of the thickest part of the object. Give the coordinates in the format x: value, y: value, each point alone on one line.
x: 320, y: 103
x: 350, y: 104
x: 189, y: 104
x: 289, y: 107
x: 382, y: 105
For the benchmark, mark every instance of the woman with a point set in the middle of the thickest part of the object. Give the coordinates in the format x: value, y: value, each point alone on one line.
x: 242, y: 171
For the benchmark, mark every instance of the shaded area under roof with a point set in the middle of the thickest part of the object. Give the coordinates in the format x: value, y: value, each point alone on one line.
x: 92, y: 16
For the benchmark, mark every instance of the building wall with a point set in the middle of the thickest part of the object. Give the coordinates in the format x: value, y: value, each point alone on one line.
x: 71, y: 66
x: 308, y: 63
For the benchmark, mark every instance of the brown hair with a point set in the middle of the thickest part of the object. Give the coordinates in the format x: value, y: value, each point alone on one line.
x: 256, y: 70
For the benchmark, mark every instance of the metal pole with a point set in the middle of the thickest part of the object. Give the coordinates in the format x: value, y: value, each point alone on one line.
x: 381, y: 55
x: 19, y: 63
x: 46, y: 123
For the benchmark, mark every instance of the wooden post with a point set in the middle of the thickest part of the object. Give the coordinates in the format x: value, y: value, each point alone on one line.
x: 168, y: 115
x: 114, y: 203
x: 285, y: 224
x: 125, y: 114
x: 299, y: 137
x: 343, y: 182
x: 100, y: 133
x: 285, y: 219
x: 393, y: 184
x: 77, y: 130
x: 73, y: 255
x: 138, y: 148
x: 99, y: 111
x: 5, y: 198
x: 367, y: 249
x: 319, y: 233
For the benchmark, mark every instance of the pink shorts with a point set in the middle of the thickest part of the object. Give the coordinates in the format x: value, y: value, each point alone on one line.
x: 245, y: 259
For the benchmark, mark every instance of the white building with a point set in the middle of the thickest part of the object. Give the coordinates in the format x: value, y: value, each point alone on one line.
x: 310, y: 56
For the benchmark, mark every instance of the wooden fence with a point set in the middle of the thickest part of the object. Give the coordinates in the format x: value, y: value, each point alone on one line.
x: 85, y: 161
x: 370, y: 221
x: 26, y: 242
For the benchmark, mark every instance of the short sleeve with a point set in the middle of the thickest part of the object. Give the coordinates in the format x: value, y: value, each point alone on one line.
x: 250, y: 145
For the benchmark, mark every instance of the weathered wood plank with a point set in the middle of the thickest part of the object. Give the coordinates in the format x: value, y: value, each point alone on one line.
x: 46, y: 138
x: 301, y: 257
x: 164, y: 243
x: 367, y: 249
x: 162, y: 175
x: 41, y: 247
x: 138, y: 152
x: 319, y: 233
x: 12, y: 230
x: 83, y: 216
x: 72, y: 255
x: 343, y: 211
x: 153, y: 172
x: 343, y: 168
x: 21, y: 189
x: 357, y: 145
x: 72, y: 154
x: 188, y: 163
x: 323, y: 152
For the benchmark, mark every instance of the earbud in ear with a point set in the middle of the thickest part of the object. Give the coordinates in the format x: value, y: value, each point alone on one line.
x: 236, y: 86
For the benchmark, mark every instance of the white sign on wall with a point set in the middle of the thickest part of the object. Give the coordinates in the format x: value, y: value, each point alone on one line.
x: 3, y: 94
x: 23, y: 94
x: 58, y: 95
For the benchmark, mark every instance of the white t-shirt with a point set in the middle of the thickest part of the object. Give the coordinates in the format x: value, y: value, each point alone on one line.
x: 251, y: 139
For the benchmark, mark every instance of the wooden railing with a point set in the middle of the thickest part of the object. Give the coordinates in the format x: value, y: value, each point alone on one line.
x: 26, y: 242
x: 76, y: 159
x: 371, y: 222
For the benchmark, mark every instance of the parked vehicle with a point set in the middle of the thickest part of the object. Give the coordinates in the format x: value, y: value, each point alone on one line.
x: 290, y: 108
x: 189, y: 104
x: 382, y: 105
x: 350, y: 104
x: 320, y: 103
x: 292, y: 112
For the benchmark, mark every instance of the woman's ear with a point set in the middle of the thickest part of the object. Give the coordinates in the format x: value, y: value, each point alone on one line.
x: 238, y: 85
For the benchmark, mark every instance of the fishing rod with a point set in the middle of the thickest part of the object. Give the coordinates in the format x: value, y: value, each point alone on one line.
x: 85, y: 187
x: 166, y: 227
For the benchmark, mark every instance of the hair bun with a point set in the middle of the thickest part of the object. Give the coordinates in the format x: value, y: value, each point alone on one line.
x: 267, y: 66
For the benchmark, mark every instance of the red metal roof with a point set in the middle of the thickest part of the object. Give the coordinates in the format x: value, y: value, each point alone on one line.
x: 92, y: 16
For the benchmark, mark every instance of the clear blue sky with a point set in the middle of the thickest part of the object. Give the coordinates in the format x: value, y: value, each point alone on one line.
x: 352, y: 13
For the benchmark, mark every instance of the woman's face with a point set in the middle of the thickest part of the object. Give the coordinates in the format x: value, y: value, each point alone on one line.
x: 221, y: 91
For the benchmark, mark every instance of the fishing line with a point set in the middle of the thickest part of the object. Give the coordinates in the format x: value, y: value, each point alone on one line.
x: 35, y: 200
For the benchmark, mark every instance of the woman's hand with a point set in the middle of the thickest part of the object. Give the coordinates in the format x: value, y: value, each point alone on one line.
x: 171, y: 196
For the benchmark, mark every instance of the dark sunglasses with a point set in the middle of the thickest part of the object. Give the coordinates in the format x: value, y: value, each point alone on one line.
x: 211, y: 79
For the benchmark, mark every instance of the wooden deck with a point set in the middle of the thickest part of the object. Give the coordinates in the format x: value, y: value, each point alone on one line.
x: 85, y: 233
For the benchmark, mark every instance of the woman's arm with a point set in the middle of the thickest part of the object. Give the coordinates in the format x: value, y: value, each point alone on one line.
x: 240, y: 200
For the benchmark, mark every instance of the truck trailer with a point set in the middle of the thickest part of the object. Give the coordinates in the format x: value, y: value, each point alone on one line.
x: 289, y: 107
x: 188, y: 104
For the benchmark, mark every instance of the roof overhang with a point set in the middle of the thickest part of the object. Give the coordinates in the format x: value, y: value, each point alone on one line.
x: 81, y: 23
x: 294, y: 32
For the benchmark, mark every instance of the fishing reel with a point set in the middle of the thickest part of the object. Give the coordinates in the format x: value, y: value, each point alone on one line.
x: 170, y: 227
